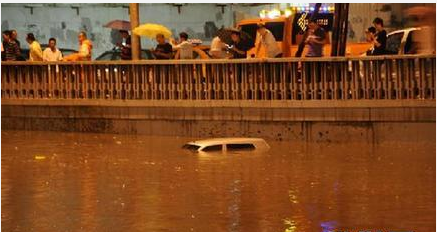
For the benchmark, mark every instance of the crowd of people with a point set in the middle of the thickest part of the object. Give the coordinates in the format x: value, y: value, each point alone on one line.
x: 183, y: 47
x: 11, y: 49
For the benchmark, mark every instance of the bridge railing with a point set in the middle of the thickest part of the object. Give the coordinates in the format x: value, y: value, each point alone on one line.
x: 334, y: 78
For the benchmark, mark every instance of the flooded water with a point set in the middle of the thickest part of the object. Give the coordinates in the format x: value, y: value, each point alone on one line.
x: 55, y: 181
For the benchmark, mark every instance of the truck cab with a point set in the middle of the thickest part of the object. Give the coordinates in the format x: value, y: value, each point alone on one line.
x: 288, y: 32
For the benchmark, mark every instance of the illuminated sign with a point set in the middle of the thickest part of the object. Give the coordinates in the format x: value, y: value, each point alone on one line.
x: 324, y: 20
x: 302, y: 22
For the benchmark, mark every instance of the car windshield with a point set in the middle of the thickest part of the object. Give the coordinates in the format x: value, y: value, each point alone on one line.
x: 250, y: 29
x: 67, y: 52
x: 213, y: 148
x: 191, y: 147
x: 146, y: 55
x: 394, y: 43
x: 277, y: 29
x: 105, y: 56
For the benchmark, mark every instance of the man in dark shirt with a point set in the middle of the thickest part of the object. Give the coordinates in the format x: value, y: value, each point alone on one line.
x: 380, y: 39
x: 14, y: 36
x: 126, y: 48
x: 239, y: 48
x: 316, y: 39
x: 12, y: 51
x: 163, y: 50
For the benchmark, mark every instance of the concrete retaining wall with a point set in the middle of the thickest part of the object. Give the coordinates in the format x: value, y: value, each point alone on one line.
x: 316, y: 121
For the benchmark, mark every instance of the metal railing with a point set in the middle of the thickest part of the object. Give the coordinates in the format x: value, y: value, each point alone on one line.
x: 342, y: 78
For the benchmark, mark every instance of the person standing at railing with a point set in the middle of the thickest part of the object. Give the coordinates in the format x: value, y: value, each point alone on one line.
x: 163, y: 50
x: 370, y: 35
x: 217, y: 49
x: 184, y: 48
x: 125, y: 45
x: 11, y: 50
x: 14, y: 37
x: 85, y: 49
x: 266, y: 39
x: 315, y: 40
x: 86, y: 46
x: 35, y: 51
x: 380, y: 39
x: 52, y: 53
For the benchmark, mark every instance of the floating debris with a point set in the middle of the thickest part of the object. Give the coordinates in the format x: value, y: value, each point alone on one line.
x: 118, y: 142
x: 40, y: 157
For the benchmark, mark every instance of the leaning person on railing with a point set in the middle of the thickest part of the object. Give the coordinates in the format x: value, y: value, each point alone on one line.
x: 35, y: 51
x: 85, y: 49
x: 238, y: 47
x: 266, y: 39
x: 217, y: 49
x: 125, y: 45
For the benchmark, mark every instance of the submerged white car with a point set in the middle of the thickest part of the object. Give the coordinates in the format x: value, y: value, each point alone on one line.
x: 227, y: 144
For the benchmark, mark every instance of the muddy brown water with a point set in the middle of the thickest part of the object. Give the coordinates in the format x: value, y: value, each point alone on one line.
x: 53, y: 181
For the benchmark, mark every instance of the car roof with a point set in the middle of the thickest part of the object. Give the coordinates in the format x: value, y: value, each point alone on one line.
x: 217, y: 141
x: 404, y: 30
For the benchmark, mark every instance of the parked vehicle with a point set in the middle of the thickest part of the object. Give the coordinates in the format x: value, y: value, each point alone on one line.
x: 227, y: 144
x: 146, y: 54
x: 401, y: 41
x: 114, y: 54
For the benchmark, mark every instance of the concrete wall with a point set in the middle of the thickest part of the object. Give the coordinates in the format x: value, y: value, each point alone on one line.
x: 314, y: 121
x: 62, y: 21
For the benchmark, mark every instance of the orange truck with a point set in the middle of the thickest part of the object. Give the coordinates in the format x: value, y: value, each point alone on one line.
x: 288, y: 32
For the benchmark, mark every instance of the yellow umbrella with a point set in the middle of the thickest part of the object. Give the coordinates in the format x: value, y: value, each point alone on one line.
x: 151, y: 30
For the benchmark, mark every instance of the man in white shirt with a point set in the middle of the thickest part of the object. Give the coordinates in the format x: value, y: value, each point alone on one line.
x: 184, y: 47
x: 267, y: 39
x: 52, y: 53
x: 217, y: 50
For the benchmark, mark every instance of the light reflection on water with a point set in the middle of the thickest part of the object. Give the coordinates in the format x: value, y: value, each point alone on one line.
x: 98, y: 182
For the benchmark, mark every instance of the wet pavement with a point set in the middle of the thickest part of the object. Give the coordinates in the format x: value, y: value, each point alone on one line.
x: 54, y: 181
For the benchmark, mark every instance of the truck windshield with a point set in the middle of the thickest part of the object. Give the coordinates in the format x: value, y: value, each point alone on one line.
x: 277, y: 29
